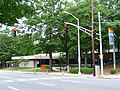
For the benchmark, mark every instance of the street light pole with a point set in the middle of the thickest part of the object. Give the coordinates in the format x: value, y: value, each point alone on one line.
x: 79, y: 58
x: 100, y: 36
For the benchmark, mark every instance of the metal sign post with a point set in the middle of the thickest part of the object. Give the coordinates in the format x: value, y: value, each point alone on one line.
x: 112, y: 42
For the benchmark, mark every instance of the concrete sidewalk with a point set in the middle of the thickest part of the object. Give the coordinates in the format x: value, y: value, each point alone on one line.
x: 85, y: 75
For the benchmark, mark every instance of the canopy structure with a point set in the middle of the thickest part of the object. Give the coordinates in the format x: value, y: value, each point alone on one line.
x: 35, y: 61
x: 37, y: 56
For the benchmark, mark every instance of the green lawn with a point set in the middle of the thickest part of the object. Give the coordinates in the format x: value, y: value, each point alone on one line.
x: 25, y: 69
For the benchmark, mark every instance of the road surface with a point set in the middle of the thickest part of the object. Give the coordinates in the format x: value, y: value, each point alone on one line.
x: 43, y: 81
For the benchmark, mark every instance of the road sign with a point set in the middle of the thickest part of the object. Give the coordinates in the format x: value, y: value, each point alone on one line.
x: 111, y: 36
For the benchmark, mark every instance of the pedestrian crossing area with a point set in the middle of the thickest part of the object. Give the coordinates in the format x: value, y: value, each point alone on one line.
x: 12, y: 80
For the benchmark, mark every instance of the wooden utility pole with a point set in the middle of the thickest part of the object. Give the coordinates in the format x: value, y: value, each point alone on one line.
x: 93, y: 54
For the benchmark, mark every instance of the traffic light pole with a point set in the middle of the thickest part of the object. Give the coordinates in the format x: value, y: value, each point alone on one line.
x: 66, y: 45
x: 87, y: 31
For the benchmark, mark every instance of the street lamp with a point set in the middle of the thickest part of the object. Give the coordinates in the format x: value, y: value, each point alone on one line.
x: 79, y: 72
x: 100, y: 36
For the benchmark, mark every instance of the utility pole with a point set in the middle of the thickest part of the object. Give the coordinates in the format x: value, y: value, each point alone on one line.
x: 93, y: 55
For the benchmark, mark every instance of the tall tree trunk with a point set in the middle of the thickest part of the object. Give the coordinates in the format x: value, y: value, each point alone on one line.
x: 50, y: 62
x: 2, y: 64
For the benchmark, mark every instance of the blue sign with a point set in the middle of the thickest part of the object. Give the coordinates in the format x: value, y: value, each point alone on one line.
x: 111, y: 40
x: 111, y: 36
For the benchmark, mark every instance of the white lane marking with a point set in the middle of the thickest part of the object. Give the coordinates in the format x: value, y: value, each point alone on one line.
x: 12, y: 88
x: 71, y: 81
x: 8, y: 81
x: 46, y: 84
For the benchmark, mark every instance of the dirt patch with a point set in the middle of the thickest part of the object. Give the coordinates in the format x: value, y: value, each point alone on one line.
x: 108, y: 67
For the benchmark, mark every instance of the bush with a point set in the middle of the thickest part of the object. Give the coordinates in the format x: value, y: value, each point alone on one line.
x: 74, y: 70
x: 86, y: 70
x: 118, y: 70
x: 47, y: 66
x: 83, y: 70
x: 113, y: 71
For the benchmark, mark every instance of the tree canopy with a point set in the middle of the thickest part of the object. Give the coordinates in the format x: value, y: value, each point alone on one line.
x: 11, y: 10
x: 45, y: 22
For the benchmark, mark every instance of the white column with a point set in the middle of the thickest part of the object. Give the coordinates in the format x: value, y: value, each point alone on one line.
x: 101, y: 54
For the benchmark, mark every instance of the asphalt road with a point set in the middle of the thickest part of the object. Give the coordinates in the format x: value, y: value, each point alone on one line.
x: 42, y: 81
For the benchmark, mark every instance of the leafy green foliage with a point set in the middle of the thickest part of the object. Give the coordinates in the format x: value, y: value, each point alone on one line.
x: 11, y: 10
x: 25, y: 69
x: 83, y: 70
x: 112, y: 71
x: 5, y: 47
x: 74, y: 70
x: 87, y: 70
x: 49, y: 17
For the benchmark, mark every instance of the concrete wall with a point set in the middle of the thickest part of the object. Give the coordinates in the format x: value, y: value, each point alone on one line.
x: 30, y: 64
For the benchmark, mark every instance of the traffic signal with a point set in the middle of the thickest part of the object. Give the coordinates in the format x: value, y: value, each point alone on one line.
x: 94, y: 33
x: 14, y: 31
x: 66, y: 27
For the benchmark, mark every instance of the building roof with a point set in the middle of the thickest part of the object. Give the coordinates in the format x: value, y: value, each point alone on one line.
x: 37, y: 56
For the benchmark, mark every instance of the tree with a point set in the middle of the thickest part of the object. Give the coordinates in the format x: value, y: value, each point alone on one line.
x: 11, y: 10
x: 82, y: 11
x: 10, y: 46
x: 6, y: 50
x: 49, y: 16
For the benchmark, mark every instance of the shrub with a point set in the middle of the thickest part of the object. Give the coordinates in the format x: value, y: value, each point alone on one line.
x: 83, y: 70
x: 113, y: 71
x: 74, y: 70
x: 40, y: 70
x: 47, y: 66
x: 118, y: 70
x: 86, y: 70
